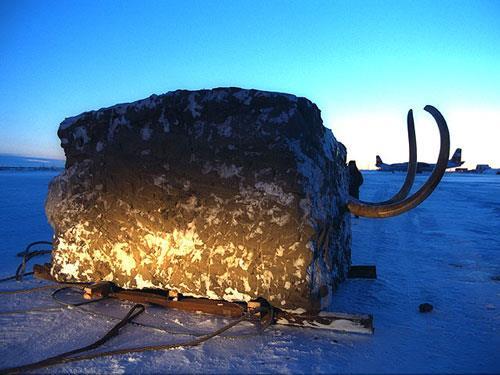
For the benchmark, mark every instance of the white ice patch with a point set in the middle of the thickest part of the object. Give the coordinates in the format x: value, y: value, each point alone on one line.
x: 328, y: 144
x: 280, y: 220
x: 164, y: 122
x: 193, y: 106
x: 160, y: 180
x: 296, y: 311
x: 117, y: 121
x: 223, y: 170
x: 233, y: 294
x: 125, y: 260
x: 275, y: 191
x: 179, y: 243
x: 141, y: 283
x: 224, y: 129
x: 283, y: 117
x: 70, y: 269
x: 81, y: 133
x: 315, y: 205
x: 146, y: 133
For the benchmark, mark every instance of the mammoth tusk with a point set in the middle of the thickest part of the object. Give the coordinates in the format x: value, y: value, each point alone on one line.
x: 412, y: 164
x: 397, y: 205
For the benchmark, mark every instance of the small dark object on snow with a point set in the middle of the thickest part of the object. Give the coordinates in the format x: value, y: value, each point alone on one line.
x: 425, y: 307
x: 362, y: 272
x: 495, y: 278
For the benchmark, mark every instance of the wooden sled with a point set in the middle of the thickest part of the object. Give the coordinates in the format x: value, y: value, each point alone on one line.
x: 340, y: 322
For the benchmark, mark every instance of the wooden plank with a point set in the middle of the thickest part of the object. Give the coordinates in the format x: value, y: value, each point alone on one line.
x: 42, y: 271
x: 339, y: 322
x: 207, y: 306
x: 362, y: 272
x: 99, y: 289
x: 173, y: 294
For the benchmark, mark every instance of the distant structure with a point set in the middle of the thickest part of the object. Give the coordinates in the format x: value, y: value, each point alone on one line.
x: 480, y: 169
x: 454, y: 162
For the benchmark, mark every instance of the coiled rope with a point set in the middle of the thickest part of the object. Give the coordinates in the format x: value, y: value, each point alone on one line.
x: 27, y: 255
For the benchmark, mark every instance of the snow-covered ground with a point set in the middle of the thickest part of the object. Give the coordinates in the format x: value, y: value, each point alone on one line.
x: 445, y: 252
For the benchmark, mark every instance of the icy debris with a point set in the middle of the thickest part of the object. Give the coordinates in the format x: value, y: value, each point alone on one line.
x: 115, y: 123
x: 223, y: 170
x: 80, y: 134
x: 160, y: 180
x: 243, y: 96
x: 329, y: 144
x: 215, y: 96
x: 193, y: 107
x: 224, y: 129
x: 146, y: 133
x: 275, y: 191
x: 164, y: 122
x: 283, y: 117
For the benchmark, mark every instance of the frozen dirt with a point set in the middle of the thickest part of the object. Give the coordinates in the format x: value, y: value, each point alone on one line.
x: 446, y: 252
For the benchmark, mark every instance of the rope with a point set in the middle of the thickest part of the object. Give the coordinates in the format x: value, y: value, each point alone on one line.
x: 27, y: 255
x: 27, y: 291
x: 50, y: 286
x: 66, y: 357
x: 38, y: 309
x: 61, y: 358
x: 15, y: 277
x: 77, y: 306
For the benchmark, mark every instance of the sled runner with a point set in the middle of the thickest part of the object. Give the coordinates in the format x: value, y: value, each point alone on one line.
x: 341, y: 322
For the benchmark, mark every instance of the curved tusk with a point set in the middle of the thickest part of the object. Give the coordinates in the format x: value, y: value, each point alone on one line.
x: 412, y: 163
x: 393, y: 207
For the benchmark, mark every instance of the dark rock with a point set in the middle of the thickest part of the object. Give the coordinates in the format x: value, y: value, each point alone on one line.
x: 425, y: 307
x: 226, y: 193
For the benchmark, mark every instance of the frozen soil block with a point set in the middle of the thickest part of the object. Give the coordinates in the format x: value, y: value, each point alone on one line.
x: 226, y: 194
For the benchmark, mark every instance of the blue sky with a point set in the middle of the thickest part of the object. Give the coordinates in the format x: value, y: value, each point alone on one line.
x: 365, y: 63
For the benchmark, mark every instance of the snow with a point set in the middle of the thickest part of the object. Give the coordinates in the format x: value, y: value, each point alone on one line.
x: 444, y: 252
x: 7, y: 160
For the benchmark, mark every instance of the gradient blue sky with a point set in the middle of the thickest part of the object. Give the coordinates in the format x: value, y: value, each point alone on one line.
x: 365, y: 63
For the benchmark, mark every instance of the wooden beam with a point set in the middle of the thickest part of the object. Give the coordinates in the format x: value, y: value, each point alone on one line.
x: 42, y: 271
x: 340, y: 322
x: 203, y: 305
x: 333, y: 321
x: 98, y: 290
x: 362, y: 272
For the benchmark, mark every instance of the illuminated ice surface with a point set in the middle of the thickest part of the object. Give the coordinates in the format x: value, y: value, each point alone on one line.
x: 445, y: 252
